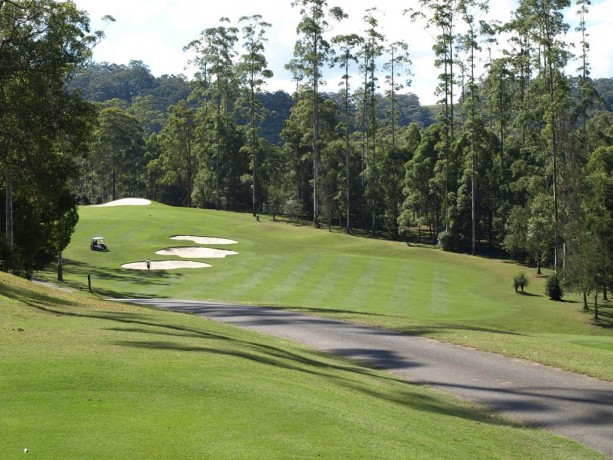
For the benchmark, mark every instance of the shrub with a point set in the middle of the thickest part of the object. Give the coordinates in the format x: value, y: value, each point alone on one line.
x: 554, y: 288
x: 447, y: 242
x: 520, y: 281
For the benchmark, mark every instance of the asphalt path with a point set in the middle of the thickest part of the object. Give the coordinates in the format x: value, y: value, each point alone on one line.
x: 572, y: 405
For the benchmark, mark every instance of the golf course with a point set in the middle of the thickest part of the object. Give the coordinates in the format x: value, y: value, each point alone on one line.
x: 84, y: 377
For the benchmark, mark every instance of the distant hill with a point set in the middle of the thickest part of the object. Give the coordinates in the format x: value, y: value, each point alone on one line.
x: 102, y: 82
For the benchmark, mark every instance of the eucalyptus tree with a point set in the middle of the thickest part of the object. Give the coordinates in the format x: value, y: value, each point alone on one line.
x: 547, y: 30
x: 311, y: 51
x: 442, y: 20
x: 588, y: 95
x: 398, y: 72
x: 297, y: 137
x: 42, y: 126
x: 422, y: 191
x: 590, y: 258
x: 117, y: 159
x: 347, y: 45
x: 254, y: 70
x: 498, y: 92
x: 393, y: 157
x: 178, y: 159
x: 600, y: 216
x: 470, y: 43
x: 372, y: 50
x: 215, y: 56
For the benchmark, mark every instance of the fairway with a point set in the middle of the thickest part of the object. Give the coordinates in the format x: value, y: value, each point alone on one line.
x: 417, y: 290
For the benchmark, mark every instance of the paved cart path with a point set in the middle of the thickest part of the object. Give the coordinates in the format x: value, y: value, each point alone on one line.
x: 569, y: 404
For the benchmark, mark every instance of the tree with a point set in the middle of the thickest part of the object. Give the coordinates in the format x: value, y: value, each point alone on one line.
x: 397, y: 77
x: 347, y: 44
x: 539, y: 229
x: 372, y: 50
x: 470, y: 44
x: 218, y: 84
x: 423, y: 193
x: 442, y: 20
x: 42, y: 126
x: 118, y: 159
x: 178, y: 151
x: 311, y: 51
x: 599, y: 206
x: 254, y: 67
x: 546, y: 27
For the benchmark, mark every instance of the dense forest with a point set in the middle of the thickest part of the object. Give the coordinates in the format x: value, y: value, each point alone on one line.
x: 516, y: 157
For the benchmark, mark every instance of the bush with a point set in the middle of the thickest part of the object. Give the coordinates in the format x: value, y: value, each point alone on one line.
x: 520, y: 281
x: 554, y: 288
x: 447, y: 242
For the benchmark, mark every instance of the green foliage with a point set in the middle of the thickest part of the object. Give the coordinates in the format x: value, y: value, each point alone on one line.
x: 45, y: 127
x: 447, y: 241
x: 553, y: 288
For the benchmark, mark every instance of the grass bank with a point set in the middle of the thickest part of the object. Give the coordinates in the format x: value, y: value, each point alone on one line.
x: 85, y: 378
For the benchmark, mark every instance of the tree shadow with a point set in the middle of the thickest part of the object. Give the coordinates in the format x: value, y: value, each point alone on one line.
x: 162, y: 336
x: 528, y: 294
x: 128, y: 277
x: 418, y: 330
x: 605, y: 316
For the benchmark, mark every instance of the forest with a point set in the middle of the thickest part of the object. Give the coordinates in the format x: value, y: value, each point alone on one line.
x: 515, y: 158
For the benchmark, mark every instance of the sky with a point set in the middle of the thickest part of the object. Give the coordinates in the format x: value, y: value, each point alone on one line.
x: 156, y: 31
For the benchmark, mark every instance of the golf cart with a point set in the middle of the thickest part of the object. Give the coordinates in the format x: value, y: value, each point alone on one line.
x: 98, y: 244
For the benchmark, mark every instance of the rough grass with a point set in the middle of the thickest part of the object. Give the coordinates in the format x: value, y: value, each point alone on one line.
x: 85, y: 378
x: 417, y: 290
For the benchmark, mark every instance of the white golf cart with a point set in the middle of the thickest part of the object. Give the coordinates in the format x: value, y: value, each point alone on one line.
x: 98, y: 244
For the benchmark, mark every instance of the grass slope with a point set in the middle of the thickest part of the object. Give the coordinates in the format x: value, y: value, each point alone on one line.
x: 83, y: 378
x: 417, y: 290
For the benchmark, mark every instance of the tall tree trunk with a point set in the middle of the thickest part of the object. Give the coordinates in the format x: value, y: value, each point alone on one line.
x: 347, y: 145
x: 554, y: 153
x: 254, y: 148
x: 60, y: 272
x: 114, y: 185
x: 10, y: 237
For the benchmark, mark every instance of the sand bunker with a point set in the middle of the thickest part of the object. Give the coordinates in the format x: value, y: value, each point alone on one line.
x: 128, y: 202
x: 196, y: 253
x: 203, y: 239
x: 165, y: 265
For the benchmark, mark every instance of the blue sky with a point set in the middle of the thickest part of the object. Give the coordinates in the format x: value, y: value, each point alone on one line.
x: 155, y: 32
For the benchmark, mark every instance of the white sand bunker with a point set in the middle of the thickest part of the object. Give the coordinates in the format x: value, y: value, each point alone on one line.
x: 203, y: 239
x: 197, y: 253
x: 165, y: 265
x: 127, y: 202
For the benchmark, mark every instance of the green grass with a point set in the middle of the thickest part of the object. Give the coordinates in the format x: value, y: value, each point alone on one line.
x: 85, y: 378
x: 417, y: 290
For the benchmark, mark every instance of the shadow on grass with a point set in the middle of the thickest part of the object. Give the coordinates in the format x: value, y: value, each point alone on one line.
x: 408, y: 330
x: 605, y: 315
x: 27, y: 296
x: 127, y: 277
x: 351, y: 376
x: 529, y: 294
x: 171, y: 337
